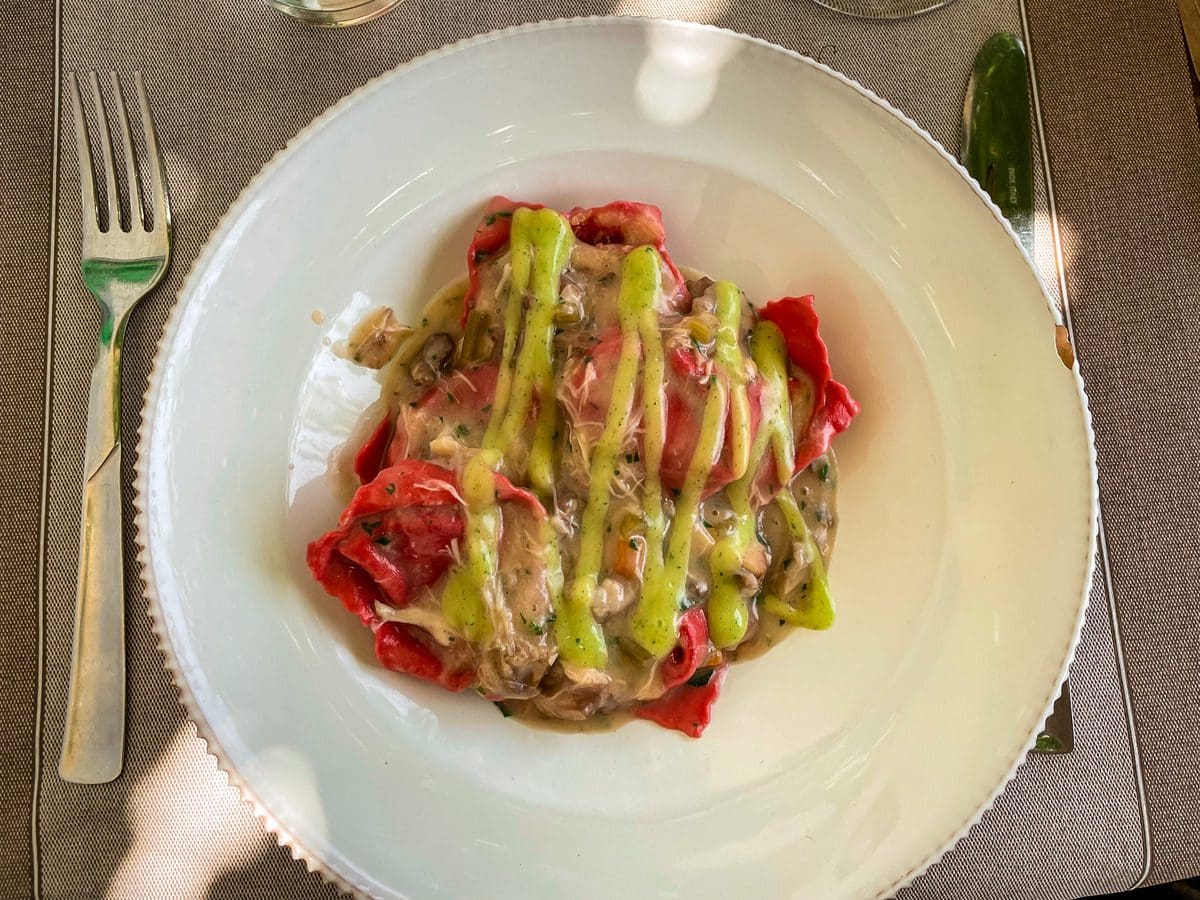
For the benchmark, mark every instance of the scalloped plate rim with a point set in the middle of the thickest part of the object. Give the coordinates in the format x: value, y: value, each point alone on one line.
x: 221, y: 231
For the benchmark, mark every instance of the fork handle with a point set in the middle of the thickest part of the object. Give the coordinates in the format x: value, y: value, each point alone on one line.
x: 94, y: 736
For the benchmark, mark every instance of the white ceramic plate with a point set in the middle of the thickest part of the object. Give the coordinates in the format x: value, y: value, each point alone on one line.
x: 841, y: 763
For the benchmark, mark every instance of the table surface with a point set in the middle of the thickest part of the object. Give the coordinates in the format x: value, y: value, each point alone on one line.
x: 1118, y: 186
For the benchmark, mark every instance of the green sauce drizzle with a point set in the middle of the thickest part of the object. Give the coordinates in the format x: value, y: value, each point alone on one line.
x: 541, y: 454
x: 816, y: 610
x: 655, y: 623
x: 654, y: 427
x: 730, y: 361
x: 580, y: 639
x: 540, y: 247
x: 772, y: 362
x: 462, y: 600
x: 728, y: 616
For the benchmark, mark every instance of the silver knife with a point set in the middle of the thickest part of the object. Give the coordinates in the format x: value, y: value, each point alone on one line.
x: 996, y: 147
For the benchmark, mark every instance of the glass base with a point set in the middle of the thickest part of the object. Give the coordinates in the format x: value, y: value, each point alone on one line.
x: 883, y: 9
x: 334, y: 13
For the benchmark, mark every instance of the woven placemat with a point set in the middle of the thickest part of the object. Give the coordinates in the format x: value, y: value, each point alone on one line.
x: 231, y: 83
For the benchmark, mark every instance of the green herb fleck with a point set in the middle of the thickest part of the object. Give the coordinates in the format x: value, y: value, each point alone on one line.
x: 462, y: 430
x: 391, y: 488
x: 823, y: 473
x: 538, y: 628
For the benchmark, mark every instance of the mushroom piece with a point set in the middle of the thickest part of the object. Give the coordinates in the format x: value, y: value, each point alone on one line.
x: 697, y: 287
x: 436, y: 357
x: 376, y: 339
x: 569, y: 310
x: 564, y: 697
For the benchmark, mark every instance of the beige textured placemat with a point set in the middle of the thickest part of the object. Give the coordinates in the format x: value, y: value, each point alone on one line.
x: 26, y: 151
x: 1126, y: 154
x: 233, y: 81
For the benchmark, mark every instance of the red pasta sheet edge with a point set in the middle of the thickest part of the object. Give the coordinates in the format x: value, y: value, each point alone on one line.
x: 393, y: 540
x: 833, y: 407
x: 686, y: 708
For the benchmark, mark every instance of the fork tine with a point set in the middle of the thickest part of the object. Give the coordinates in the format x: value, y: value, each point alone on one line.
x: 110, y: 174
x: 154, y: 169
x: 87, y: 183
x: 136, y: 215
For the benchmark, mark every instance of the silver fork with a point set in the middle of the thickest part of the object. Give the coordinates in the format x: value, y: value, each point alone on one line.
x: 119, y: 268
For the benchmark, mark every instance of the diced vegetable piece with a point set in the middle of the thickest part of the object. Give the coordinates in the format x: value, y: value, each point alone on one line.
x: 702, y: 328
x: 476, y: 344
x: 628, y: 551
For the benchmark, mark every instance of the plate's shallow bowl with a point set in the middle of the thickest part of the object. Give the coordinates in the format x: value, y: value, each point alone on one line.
x: 840, y: 763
